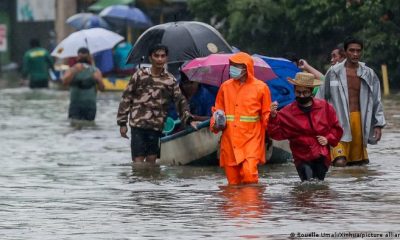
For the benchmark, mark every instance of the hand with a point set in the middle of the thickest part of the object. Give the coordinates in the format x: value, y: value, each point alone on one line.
x: 322, y: 140
x: 216, y: 128
x: 77, y: 68
x: 194, y: 124
x: 123, y: 130
x: 377, y: 133
x: 303, y: 64
x: 274, y: 109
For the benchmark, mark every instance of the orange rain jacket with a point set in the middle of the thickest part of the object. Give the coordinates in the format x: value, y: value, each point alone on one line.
x: 247, y: 107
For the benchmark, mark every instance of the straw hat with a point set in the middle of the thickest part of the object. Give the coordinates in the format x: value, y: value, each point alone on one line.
x: 304, y: 79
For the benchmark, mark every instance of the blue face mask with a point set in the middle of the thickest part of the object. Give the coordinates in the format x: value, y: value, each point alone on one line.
x: 235, y: 72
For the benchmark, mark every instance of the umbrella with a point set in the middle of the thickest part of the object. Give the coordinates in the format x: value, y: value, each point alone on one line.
x: 95, y: 39
x: 185, y: 40
x: 281, y: 90
x: 86, y: 20
x: 122, y: 15
x: 214, y: 69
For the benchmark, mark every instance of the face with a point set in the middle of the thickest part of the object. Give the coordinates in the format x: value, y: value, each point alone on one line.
x: 83, y: 58
x: 353, y: 52
x: 158, y: 58
x: 336, y: 57
x: 300, y: 91
x: 190, y: 88
x: 242, y: 67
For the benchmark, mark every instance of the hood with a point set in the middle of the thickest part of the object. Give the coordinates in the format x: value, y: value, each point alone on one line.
x: 246, y: 59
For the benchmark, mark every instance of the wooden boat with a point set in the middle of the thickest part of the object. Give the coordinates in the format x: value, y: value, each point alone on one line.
x: 201, y: 147
x: 190, y: 147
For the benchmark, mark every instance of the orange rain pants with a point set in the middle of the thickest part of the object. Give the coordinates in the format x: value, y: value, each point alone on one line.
x: 244, y: 173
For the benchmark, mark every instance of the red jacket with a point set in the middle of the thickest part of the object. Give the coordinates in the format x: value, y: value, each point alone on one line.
x: 293, y: 124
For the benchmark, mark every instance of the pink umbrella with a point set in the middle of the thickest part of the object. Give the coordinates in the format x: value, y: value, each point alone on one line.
x: 214, y: 69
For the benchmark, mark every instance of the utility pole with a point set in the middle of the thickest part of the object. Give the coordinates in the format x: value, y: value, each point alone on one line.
x: 64, y: 9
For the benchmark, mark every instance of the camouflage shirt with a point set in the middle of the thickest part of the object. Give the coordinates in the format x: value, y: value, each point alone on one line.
x: 146, y: 99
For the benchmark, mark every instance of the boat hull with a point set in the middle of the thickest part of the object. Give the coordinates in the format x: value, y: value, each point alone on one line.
x: 201, y: 147
x: 190, y: 148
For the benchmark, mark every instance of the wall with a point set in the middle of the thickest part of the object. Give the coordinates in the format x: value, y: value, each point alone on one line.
x: 5, y: 19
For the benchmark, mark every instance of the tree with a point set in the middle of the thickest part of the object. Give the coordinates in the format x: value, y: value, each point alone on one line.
x: 310, y: 28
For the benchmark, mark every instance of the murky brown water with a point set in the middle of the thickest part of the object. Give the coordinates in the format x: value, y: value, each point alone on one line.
x: 57, y: 182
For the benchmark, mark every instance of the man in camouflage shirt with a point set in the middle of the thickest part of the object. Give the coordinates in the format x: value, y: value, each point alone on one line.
x: 146, y: 100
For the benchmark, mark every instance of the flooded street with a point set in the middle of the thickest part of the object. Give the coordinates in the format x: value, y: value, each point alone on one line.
x: 60, y: 182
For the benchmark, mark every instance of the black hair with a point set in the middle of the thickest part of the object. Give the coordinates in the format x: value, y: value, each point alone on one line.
x: 83, y: 50
x: 183, y: 77
x: 34, y: 42
x: 350, y: 40
x: 340, y: 48
x: 156, y: 48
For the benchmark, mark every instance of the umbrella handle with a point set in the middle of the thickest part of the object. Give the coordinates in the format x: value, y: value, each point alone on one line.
x: 141, y: 61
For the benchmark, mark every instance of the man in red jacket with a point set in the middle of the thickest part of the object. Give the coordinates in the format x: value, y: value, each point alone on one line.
x: 310, y: 125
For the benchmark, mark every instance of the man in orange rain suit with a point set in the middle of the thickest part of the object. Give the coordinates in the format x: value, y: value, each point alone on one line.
x: 246, y: 102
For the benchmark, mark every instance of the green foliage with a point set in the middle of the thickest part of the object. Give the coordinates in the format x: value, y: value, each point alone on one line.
x: 310, y: 28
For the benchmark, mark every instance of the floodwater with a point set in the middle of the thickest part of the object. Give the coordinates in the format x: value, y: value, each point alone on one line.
x: 60, y: 182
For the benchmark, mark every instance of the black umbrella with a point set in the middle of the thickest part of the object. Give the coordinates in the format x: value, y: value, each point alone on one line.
x: 185, y: 41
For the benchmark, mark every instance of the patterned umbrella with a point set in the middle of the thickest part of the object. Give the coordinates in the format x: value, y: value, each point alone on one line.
x: 185, y: 40
x: 95, y: 39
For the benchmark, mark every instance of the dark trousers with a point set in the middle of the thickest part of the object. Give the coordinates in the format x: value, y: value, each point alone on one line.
x: 313, y: 169
x: 81, y: 113
x: 144, y: 142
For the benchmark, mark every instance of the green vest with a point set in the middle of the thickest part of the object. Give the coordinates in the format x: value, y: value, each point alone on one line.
x: 36, y: 64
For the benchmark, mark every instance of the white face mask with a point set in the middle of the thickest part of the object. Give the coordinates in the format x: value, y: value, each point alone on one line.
x: 235, y: 72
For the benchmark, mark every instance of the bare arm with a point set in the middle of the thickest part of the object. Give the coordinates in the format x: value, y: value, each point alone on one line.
x: 70, y: 73
x: 200, y: 118
x: 67, y: 77
x: 99, y: 80
x: 310, y: 69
